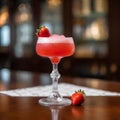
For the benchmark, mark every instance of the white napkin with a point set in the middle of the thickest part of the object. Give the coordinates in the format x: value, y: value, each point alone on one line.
x: 65, y: 89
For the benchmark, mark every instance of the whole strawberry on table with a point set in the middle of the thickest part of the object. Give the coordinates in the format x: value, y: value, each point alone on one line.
x: 78, y: 97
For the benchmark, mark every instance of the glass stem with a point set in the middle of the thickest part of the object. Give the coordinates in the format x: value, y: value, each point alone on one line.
x: 55, y: 75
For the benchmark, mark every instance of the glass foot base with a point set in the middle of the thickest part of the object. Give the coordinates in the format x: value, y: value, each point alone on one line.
x: 54, y: 102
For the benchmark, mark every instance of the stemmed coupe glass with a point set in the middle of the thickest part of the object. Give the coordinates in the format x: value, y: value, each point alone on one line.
x: 55, y: 47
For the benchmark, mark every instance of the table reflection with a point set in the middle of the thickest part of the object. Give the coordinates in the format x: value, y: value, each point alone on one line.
x: 55, y: 112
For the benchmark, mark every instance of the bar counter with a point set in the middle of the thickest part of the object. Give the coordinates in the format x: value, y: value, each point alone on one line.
x: 28, y: 108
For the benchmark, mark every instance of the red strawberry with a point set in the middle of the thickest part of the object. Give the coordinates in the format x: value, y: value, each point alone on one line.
x: 78, y: 97
x: 43, y: 32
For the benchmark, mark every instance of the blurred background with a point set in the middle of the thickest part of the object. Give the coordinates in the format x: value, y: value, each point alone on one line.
x: 94, y: 25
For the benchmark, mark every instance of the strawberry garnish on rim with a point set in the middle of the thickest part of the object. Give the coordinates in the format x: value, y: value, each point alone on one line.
x: 78, y: 97
x: 42, y: 31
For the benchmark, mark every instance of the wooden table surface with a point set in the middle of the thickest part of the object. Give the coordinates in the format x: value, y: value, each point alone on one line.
x: 28, y: 108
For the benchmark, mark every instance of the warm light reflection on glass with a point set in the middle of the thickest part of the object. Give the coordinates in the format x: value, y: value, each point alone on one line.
x: 23, y: 13
x: 113, y: 68
x: 94, y: 68
x: 3, y: 15
x: 103, y: 69
x: 94, y: 84
x: 101, y: 6
x: 97, y: 30
x: 54, y: 2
